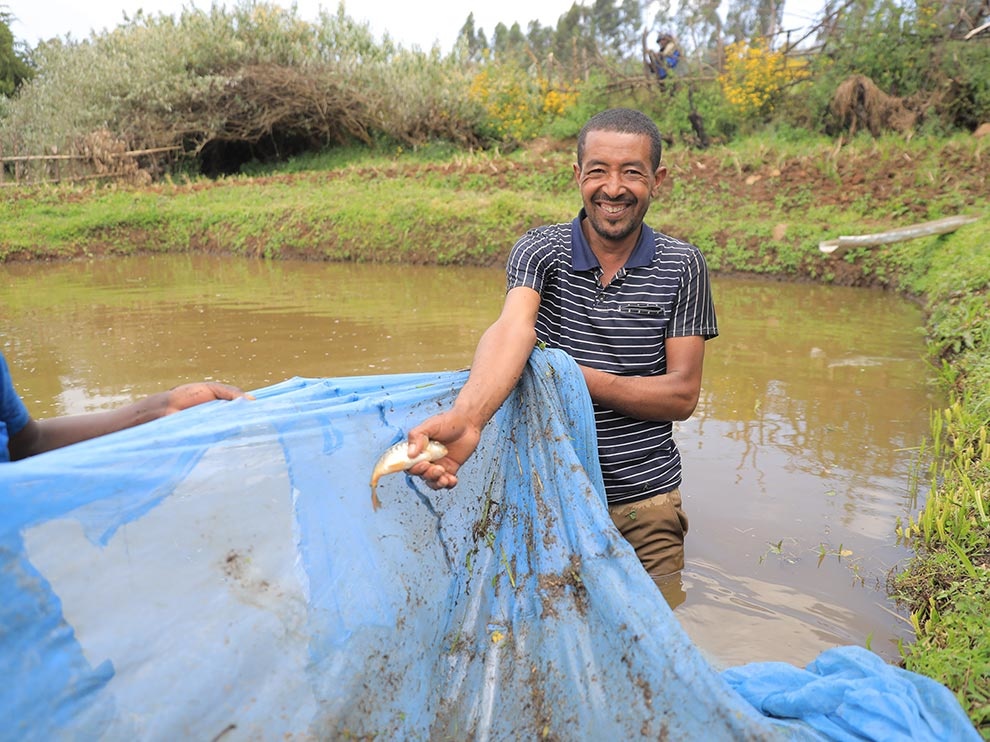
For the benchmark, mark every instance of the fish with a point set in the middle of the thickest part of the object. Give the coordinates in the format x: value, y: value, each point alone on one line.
x: 396, y: 459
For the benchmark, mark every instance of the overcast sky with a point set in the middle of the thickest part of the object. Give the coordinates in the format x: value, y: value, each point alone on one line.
x: 409, y: 22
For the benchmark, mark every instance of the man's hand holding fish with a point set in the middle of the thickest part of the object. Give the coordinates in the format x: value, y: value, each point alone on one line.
x: 455, y: 431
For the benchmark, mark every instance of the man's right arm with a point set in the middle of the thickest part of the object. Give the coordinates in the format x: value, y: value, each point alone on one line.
x: 40, y: 436
x: 498, y: 364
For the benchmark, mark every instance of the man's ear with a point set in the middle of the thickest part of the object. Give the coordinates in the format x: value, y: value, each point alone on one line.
x: 658, y: 178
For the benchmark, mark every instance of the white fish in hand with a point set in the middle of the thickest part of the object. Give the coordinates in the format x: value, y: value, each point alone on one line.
x: 396, y: 459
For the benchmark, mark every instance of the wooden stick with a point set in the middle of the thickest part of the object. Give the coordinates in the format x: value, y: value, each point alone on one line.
x: 840, y: 245
x: 66, y: 179
x: 55, y: 158
x: 975, y: 31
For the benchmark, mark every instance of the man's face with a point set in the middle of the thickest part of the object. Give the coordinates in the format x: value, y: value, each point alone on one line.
x: 617, y: 182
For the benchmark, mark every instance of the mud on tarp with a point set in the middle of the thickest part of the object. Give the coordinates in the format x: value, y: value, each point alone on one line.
x: 220, y: 573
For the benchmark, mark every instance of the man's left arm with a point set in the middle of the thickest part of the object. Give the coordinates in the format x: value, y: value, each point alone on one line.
x: 669, y: 396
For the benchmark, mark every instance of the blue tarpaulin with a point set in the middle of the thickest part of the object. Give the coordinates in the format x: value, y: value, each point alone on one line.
x: 221, y: 574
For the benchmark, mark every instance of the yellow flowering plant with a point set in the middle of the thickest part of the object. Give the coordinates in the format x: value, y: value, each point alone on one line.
x: 518, y: 104
x: 755, y: 77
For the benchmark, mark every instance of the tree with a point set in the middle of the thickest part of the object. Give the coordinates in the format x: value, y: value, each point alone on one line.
x: 702, y: 27
x: 509, y: 43
x: 475, y: 38
x: 540, y: 39
x: 573, y: 40
x: 747, y: 20
x: 14, y: 69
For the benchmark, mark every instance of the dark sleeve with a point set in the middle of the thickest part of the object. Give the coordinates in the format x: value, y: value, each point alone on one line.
x: 694, y: 312
x: 528, y: 261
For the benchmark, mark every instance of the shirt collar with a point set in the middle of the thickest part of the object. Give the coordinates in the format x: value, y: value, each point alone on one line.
x: 582, y: 259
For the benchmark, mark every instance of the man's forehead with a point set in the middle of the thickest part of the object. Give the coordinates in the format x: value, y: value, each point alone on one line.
x: 604, y: 143
x: 613, y: 134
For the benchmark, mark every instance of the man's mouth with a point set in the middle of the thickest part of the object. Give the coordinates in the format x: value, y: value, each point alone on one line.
x: 612, y: 208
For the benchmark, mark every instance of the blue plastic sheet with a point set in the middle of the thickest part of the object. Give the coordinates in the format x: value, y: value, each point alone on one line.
x: 221, y: 573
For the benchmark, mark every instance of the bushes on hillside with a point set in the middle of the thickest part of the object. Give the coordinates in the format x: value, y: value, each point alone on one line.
x: 256, y: 82
x: 256, y: 75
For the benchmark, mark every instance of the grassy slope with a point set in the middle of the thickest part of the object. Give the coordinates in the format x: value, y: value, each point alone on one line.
x: 756, y: 207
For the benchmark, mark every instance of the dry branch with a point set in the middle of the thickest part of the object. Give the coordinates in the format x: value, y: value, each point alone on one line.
x: 256, y: 101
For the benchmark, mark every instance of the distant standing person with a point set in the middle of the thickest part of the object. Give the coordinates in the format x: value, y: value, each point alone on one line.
x: 632, y: 306
x: 22, y: 436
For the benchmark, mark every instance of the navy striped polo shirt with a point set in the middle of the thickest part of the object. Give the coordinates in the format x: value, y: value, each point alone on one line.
x: 662, y: 291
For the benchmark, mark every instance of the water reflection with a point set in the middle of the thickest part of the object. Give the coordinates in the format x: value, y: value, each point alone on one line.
x: 797, y: 461
x: 797, y: 465
x: 738, y: 618
x: 111, y: 330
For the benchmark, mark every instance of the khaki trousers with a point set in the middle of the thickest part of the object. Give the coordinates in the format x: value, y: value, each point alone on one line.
x: 655, y: 527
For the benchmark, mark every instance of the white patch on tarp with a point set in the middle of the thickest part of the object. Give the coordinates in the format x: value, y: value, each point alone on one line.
x: 206, y: 586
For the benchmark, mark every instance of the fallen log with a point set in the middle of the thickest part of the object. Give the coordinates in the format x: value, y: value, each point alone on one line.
x: 840, y: 245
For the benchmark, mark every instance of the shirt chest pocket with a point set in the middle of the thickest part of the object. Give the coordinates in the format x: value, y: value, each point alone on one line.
x: 644, y: 309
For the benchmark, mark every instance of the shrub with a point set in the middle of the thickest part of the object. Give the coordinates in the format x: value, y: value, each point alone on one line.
x: 754, y: 78
x: 518, y: 104
x: 253, y: 74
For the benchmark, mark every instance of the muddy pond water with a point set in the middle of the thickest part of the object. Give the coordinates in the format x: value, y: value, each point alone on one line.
x: 798, y: 460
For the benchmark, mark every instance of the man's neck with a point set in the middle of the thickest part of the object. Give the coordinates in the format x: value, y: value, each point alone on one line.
x: 612, y: 254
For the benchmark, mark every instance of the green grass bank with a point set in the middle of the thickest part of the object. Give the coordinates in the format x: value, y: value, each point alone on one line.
x: 760, y: 206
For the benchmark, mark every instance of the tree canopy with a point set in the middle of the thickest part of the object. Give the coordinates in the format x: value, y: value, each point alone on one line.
x: 14, y: 69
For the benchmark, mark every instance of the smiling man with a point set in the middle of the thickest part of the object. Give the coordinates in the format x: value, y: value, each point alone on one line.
x: 632, y: 306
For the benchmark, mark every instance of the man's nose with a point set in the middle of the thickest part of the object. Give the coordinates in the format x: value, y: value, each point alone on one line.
x: 613, y: 185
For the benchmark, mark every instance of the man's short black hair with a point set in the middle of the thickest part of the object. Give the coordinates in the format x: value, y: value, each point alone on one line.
x: 624, y: 121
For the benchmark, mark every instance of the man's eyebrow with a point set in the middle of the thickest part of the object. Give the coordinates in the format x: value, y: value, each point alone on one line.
x: 640, y: 164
